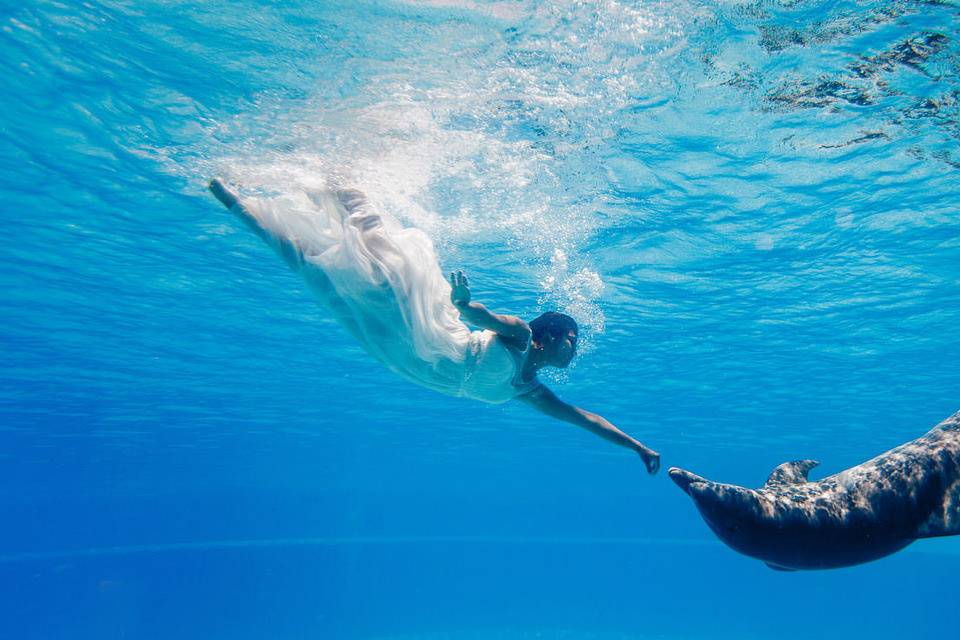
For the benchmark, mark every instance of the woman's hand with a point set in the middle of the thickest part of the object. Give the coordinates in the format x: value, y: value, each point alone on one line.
x: 650, y: 458
x: 460, y: 289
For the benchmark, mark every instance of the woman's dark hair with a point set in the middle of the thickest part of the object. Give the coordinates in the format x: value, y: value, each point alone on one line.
x: 556, y: 324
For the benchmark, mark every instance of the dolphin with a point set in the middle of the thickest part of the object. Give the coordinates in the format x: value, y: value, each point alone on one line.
x: 858, y: 515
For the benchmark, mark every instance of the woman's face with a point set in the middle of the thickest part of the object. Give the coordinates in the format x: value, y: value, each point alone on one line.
x: 563, y: 349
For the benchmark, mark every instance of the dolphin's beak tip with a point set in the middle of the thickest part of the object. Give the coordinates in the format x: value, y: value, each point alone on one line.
x: 684, y: 478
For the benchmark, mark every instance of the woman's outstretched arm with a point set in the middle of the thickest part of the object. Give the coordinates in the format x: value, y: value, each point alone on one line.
x: 546, y: 401
x: 510, y: 327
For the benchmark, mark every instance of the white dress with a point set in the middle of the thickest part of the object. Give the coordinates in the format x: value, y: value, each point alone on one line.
x: 383, y: 283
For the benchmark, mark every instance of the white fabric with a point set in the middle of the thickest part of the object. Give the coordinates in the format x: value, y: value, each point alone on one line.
x: 383, y: 283
x: 493, y: 372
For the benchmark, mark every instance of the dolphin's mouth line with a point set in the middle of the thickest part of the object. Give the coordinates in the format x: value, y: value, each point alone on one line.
x: 684, y: 479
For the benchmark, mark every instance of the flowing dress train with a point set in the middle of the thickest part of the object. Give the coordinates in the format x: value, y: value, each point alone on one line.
x: 382, y: 282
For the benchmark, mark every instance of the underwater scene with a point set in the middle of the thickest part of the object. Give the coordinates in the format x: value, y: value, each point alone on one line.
x: 264, y: 411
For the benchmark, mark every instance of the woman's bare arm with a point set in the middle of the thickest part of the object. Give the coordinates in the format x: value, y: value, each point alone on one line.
x: 510, y: 327
x: 546, y: 401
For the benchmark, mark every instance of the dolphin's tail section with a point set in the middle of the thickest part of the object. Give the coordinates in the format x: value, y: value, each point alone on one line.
x: 945, y: 518
x: 941, y: 462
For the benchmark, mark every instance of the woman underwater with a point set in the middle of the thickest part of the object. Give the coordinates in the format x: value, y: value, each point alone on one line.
x: 383, y: 283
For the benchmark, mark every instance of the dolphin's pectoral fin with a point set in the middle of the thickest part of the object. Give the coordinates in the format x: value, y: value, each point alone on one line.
x: 945, y: 519
x: 790, y: 473
x: 777, y: 567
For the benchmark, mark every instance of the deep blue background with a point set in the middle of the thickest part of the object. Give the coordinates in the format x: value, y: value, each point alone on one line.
x: 752, y: 209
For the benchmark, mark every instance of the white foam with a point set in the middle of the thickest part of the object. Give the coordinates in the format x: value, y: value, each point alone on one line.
x: 497, y: 140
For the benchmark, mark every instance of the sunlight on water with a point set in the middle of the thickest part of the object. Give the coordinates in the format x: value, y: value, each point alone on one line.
x: 496, y: 137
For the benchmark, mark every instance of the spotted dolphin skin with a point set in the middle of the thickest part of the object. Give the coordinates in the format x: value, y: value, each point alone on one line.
x: 855, y: 516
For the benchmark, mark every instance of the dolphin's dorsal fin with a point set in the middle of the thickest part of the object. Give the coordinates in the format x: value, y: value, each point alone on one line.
x: 790, y: 473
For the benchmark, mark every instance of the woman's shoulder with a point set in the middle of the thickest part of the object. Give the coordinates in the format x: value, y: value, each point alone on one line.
x: 513, y: 343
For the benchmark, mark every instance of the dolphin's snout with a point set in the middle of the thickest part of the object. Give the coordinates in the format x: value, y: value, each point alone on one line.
x: 684, y: 479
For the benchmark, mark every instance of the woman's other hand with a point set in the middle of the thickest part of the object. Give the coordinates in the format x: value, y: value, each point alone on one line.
x: 460, y: 289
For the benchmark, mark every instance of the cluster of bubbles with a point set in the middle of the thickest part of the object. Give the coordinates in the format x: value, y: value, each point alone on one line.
x: 494, y: 138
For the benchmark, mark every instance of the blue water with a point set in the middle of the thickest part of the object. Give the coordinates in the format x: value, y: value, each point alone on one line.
x: 752, y: 208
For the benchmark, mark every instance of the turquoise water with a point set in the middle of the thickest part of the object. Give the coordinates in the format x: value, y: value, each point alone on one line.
x: 752, y: 208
